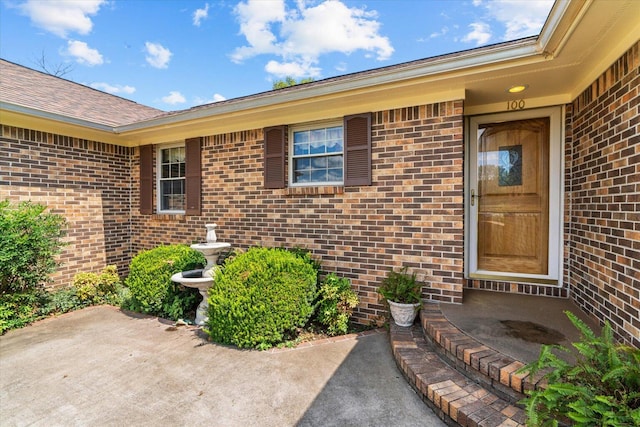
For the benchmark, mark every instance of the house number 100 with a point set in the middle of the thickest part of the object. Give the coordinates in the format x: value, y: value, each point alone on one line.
x: 516, y: 104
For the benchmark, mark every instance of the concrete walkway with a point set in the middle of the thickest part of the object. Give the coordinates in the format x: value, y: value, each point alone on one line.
x: 103, y: 367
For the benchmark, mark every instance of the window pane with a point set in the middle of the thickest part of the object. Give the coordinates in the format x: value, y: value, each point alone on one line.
x: 335, y: 161
x: 181, y: 173
x: 165, y: 171
x: 301, y: 137
x: 299, y: 164
x: 165, y: 156
x: 319, y: 176
x: 335, y: 175
x: 319, y: 163
x: 300, y: 149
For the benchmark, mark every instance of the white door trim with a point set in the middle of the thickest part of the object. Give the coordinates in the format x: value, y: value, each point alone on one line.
x: 556, y: 191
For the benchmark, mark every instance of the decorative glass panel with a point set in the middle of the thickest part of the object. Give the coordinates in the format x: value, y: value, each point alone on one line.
x: 510, y: 166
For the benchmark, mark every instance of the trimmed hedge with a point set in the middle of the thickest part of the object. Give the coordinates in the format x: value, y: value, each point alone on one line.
x: 260, y: 298
x: 149, y: 281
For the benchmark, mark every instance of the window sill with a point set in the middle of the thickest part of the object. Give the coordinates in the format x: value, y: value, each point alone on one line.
x: 310, y: 191
x: 174, y: 216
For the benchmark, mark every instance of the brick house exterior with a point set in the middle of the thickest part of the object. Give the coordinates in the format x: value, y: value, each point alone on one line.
x: 412, y: 213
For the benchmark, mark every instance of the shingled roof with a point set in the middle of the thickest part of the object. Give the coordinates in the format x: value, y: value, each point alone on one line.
x: 36, y: 90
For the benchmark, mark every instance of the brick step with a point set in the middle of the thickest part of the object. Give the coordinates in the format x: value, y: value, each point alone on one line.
x: 455, y: 398
x: 490, y: 368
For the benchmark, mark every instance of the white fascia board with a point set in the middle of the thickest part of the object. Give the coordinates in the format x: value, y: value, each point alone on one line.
x: 14, y: 108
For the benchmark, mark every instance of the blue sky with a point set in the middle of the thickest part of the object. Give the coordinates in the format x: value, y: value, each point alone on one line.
x: 173, y: 55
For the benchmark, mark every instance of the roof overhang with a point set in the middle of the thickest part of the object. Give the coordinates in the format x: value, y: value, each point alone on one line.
x: 579, y: 41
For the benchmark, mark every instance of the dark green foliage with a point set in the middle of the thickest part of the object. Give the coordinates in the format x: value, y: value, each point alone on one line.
x: 401, y: 287
x: 336, y: 301
x: 31, y: 238
x: 20, y: 309
x: 601, y: 389
x: 149, y: 281
x: 260, y: 298
x: 290, y: 81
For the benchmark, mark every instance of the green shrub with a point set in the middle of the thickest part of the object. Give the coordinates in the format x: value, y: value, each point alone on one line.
x: 336, y: 301
x: 31, y: 238
x: 400, y: 287
x: 260, y: 298
x: 20, y: 308
x: 150, y: 285
x: 102, y: 288
x: 601, y: 389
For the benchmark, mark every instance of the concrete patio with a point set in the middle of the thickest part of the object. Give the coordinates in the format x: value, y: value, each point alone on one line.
x: 101, y: 366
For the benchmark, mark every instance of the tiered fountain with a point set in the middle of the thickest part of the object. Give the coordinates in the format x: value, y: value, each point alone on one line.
x: 203, y: 279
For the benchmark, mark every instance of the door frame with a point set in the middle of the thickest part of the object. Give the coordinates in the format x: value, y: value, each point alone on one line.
x: 556, y: 199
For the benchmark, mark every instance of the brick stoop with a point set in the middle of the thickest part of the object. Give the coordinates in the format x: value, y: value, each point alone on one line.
x: 454, y: 397
x: 492, y: 369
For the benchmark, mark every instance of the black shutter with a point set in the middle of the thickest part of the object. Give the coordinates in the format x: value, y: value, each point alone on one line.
x: 357, y: 150
x: 274, y: 152
x: 193, y: 170
x: 146, y: 179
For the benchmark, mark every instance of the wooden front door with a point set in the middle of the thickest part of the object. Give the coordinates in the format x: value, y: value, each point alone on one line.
x: 512, y: 196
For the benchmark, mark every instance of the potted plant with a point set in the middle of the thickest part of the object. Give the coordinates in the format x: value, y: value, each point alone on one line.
x: 401, y: 290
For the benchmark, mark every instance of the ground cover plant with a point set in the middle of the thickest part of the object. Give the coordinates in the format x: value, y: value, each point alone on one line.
x: 18, y: 309
x: 150, y: 286
x: 601, y: 389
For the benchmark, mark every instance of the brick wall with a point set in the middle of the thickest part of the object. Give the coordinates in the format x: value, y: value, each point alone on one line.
x: 604, y: 268
x: 412, y: 214
x: 85, y: 181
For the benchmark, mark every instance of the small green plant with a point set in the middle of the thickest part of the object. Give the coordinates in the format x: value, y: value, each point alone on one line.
x: 31, y: 238
x: 336, y: 301
x: 400, y: 287
x: 601, y: 389
x: 102, y: 288
x: 150, y: 285
x: 260, y: 298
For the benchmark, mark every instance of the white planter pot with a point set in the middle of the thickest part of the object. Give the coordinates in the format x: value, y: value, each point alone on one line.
x: 403, y: 314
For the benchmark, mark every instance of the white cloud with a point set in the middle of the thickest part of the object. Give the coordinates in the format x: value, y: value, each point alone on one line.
x: 114, y: 89
x: 521, y: 18
x: 61, y: 17
x: 158, y: 56
x: 443, y: 31
x: 292, y: 69
x: 174, y: 97
x: 480, y: 33
x: 293, y: 35
x: 200, y: 14
x: 83, y: 53
x: 216, y: 98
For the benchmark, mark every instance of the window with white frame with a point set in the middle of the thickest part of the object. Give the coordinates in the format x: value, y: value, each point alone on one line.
x: 317, y: 154
x: 171, y: 179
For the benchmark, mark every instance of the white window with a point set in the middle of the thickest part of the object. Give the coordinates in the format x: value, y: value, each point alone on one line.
x: 171, y: 179
x: 316, y: 154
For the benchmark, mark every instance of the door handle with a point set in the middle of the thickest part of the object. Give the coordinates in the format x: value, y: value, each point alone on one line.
x: 473, y: 197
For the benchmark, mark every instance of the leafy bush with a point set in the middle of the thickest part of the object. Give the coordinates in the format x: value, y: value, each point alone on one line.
x: 259, y: 297
x: 601, y: 389
x: 401, y: 287
x: 31, y: 238
x: 150, y: 285
x: 20, y: 309
x: 336, y: 301
x: 94, y: 288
